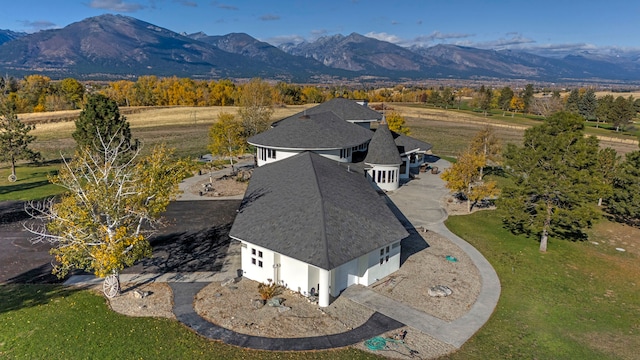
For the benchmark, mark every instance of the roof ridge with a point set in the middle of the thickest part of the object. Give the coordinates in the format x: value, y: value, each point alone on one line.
x: 323, y: 221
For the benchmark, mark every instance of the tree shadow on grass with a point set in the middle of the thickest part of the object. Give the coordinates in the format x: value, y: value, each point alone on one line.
x: 5, y: 189
x: 20, y: 296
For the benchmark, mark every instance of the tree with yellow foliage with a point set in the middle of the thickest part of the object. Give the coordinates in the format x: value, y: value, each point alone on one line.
x: 396, y: 123
x: 226, y: 137
x: 464, y: 177
x: 103, y: 223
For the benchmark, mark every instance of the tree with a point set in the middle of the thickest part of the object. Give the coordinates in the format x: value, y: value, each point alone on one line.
x: 487, y: 144
x: 556, y: 180
x: 624, y: 203
x: 546, y: 106
x: 14, y: 138
x: 256, y: 106
x: 571, y: 105
x: 623, y: 111
x: 504, y: 100
x: 608, y: 166
x: 226, y: 137
x: 99, y: 121
x: 604, y: 109
x: 396, y: 123
x: 112, y: 207
x: 516, y: 104
x: 527, y: 96
x: 588, y: 104
x: 73, y: 92
x: 464, y: 177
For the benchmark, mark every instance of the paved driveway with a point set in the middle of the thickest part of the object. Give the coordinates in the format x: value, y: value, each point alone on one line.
x: 195, y: 228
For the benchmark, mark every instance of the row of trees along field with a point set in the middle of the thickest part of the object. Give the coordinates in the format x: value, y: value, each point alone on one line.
x: 559, y: 182
x: 36, y: 93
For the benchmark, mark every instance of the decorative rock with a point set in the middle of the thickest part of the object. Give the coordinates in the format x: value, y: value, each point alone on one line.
x: 440, y: 291
x: 228, y: 281
x: 275, y: 302
x: 140, y: 294
x: 257, y: 303
x: 282, y: 309
x: 621, y: 249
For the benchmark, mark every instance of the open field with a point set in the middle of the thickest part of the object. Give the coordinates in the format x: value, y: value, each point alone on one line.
x: 186, y: 128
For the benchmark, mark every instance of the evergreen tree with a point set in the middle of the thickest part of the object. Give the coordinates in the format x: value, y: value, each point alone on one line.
x: 14, y: 137
x: 622, y: 112
x: 624, y: 204
x: 604, y: 109
x: 527, y: 97
x: 100, y: 126
x: 571, y: 105
x: 556, y: 180
x: 504, y: 101
x: 588, y: 104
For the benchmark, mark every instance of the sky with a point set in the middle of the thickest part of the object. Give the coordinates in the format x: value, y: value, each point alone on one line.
x: 543, y: 26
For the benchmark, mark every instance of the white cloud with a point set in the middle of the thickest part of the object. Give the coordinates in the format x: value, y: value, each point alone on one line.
x: 116, y: 5
x: 385, y: 37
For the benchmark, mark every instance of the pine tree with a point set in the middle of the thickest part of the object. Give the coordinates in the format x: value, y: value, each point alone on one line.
x: 556, y: 181
x: 14, y: 138
x: 588, y: 104
x: 100, y: 121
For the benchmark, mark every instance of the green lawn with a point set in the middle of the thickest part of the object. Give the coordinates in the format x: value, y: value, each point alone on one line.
x: 52, y: 322
x: 577, y: 301
x: 32, y: 182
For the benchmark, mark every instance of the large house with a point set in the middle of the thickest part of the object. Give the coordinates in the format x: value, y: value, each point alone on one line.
x: 312, y: 218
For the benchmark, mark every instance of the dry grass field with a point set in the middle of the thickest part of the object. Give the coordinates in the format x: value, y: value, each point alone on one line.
x: 186, y: 128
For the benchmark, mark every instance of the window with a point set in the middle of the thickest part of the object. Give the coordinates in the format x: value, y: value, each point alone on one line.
x: 381, y: 252
x: 271, y: 153
x: 254, y: 260
x: 260, y: 252
x: 345, y: 153
x: 262, y: 153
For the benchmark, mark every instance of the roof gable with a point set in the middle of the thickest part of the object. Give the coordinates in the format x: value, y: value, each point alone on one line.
x: 324, y: 130
x: 312, y: 209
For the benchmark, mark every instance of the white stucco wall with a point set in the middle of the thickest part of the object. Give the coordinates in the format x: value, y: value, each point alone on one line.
x: 253, y: 271
x: 302, y: 277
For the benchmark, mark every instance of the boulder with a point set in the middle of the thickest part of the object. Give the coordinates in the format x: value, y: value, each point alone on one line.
x: 275, y: 302
x: 257, y: 303
x: 440, y: 291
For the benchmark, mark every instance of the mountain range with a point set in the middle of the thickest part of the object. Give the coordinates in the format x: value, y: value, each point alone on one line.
x: 114, y: 47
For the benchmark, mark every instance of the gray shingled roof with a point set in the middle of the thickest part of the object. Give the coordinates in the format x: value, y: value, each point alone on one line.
x: 406, y: 143
x: 311, y: 209
x: 347, y: 110
x: 382, y: 149
x: 316, y: 131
